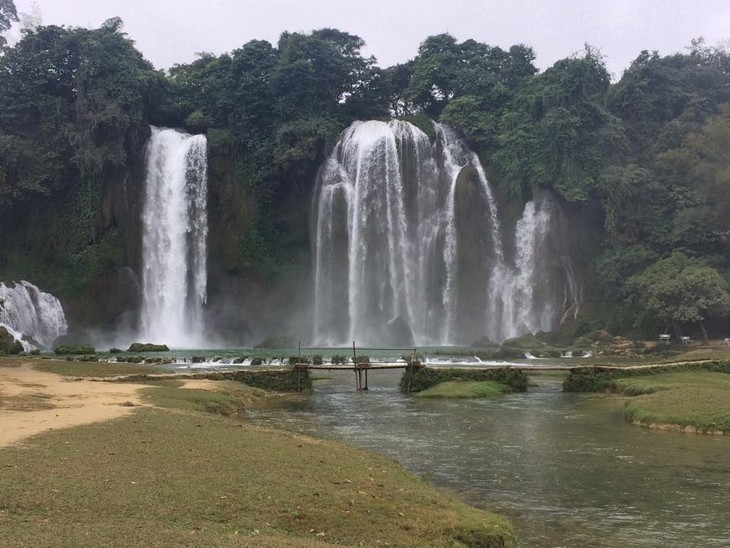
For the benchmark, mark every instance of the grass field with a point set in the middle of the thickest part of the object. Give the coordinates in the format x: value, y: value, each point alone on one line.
x: 464, y: 389
x: 692, y: 400
x: 173, y: 475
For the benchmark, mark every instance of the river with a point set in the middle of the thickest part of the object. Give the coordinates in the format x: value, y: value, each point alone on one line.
x: 566, y: 469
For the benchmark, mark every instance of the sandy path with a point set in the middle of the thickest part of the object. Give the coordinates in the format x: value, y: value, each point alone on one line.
x: 32, y: 402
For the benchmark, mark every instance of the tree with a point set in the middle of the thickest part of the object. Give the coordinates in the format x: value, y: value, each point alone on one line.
x: 8, y: 14
x: 446, y: 70
x: 557, y: 133
x: 680, y: 290
x: 663, y: 99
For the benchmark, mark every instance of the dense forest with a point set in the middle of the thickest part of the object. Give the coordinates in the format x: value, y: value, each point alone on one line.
x: 642, y: 164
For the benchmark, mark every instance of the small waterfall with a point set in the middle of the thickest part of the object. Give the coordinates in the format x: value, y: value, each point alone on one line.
x: 174, y: 239
x: 543, y: 288
x: 26, y: 311
x: 409, y: 248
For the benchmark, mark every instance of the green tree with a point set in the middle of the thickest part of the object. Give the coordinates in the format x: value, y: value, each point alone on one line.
x: 556, y: 133
x: 445, y: 70
x: 8, y: 16
x: 663, y: 99
x: 679, y: 290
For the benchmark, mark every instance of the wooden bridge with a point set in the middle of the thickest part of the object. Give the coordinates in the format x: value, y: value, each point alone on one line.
x: 361, y: 369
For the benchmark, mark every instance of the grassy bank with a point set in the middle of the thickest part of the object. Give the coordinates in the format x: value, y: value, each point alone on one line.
x: 690, y: 397
x: 465, y: 389
x: 686, y: 400
x: 172, y: 475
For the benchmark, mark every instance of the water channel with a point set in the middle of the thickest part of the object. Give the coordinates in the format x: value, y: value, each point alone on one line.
x: 566, y: 469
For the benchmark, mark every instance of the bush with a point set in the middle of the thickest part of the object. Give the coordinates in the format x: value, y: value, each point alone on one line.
x: 147, y: 347
x: 416, y: 379
x: 317, y: 359
x: 72, y: 349
x: 294, y: 360
x: 602, y: 379
x: 337, y: 358
x: 258, y: 360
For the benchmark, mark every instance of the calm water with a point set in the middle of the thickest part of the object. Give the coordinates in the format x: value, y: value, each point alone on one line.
x: 565, y: 468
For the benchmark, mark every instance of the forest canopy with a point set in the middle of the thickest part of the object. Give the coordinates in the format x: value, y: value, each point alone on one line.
x: 644, y: 161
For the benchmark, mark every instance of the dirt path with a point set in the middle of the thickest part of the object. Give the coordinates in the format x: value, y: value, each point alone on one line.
x: 32, y: 402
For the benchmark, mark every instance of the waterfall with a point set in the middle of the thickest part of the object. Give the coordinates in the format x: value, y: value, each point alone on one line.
x: 174, y: 239
x: 28, y: 312
x: 409, y: 248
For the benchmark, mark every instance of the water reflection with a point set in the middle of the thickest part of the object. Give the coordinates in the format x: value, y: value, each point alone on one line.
x: 565, y: 468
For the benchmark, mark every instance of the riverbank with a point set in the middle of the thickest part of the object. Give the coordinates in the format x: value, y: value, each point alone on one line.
x: 687, y: 397
x: 166, y: 473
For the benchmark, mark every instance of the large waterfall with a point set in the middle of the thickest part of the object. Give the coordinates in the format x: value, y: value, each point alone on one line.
x: 409, y: 249
x: 28, y: 312
x: 174, y: 239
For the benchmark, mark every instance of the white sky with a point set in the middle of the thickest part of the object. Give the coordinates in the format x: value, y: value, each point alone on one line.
x: 172, y: 31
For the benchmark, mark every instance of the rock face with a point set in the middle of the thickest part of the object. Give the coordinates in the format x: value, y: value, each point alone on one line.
x: 8, y: 344
x: 397, y: 333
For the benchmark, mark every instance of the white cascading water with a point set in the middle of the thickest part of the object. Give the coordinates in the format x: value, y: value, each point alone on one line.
x: 174, y: 239
x: 407, y: 238
x: 26, y: 311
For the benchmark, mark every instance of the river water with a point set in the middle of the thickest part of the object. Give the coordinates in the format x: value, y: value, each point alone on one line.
x: 566, y: 469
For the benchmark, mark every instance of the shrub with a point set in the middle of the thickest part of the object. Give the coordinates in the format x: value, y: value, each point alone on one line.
x: 147, y: 347
x: 72, y: 349
x: 416, y: 379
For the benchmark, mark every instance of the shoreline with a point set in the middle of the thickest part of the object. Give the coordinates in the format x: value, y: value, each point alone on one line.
x: 154, y: 464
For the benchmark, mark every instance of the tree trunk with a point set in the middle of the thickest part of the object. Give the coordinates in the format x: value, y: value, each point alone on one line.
x: 704, y: 331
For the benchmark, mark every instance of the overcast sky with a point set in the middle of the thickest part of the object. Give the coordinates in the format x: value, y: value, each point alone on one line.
x: 172, y: 31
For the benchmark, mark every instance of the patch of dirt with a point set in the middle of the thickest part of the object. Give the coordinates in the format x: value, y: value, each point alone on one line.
x: 32, y: 402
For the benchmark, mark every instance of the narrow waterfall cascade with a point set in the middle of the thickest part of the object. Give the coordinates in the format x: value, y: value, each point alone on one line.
x: 543, y: 289
x: 31, y: 315
x: 409, y: 249
x: 174, y: 239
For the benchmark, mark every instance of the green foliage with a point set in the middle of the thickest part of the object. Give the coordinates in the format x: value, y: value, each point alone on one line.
x: 277, y: 381
x: 147, y: 347
x: 74, y: 349
x: 557, y: 132
x: 679, y: 290
x: 8, y: 15
x: 446, y: 70
x: 416, y: 379
x: 603, y: 379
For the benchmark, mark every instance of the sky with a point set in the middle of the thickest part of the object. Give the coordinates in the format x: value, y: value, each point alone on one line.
x: 173, y: 31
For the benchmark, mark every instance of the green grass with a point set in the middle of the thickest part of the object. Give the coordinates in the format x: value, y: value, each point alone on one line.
x: 229, y: 399
x: 687, y: 399
x: 465, y: 389
x: 179, y: 477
